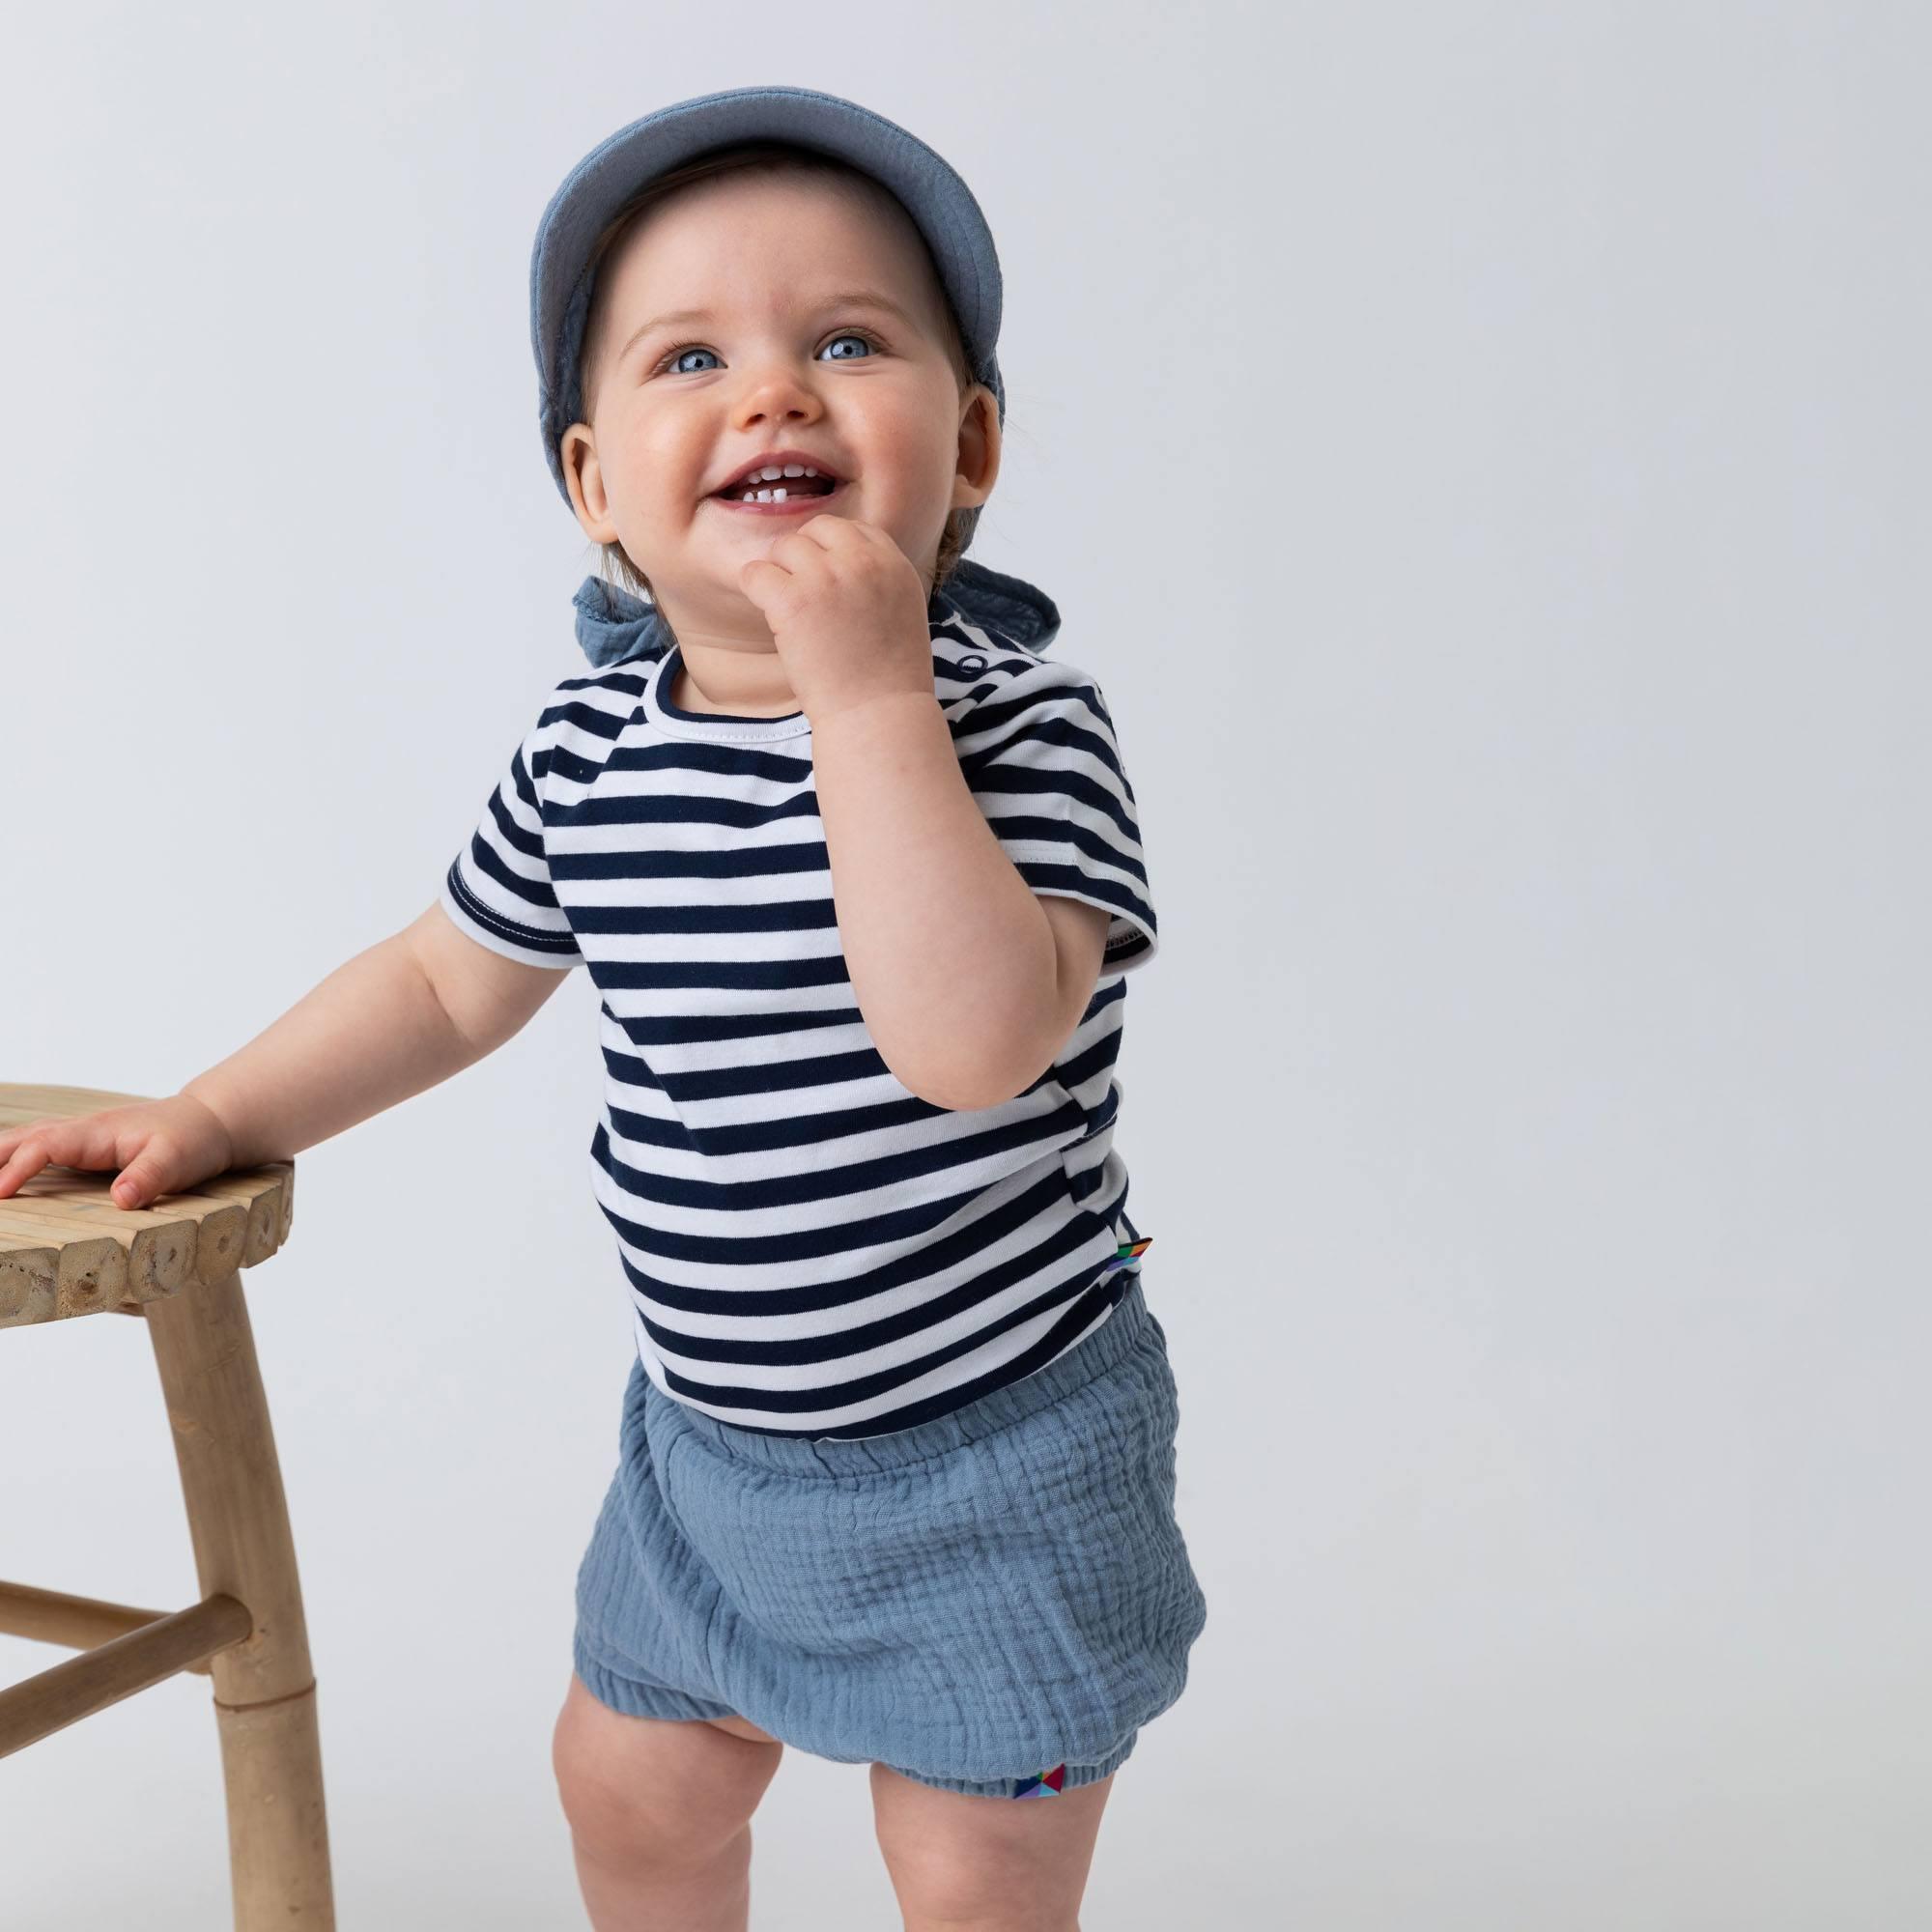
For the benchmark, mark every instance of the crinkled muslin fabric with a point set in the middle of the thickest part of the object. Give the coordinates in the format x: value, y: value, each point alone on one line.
x: 971, y: 1601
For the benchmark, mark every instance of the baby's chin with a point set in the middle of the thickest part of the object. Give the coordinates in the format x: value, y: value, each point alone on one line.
x: 701, y: 599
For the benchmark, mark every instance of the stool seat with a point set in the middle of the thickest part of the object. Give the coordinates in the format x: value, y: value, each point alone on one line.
x: 68, y: 1249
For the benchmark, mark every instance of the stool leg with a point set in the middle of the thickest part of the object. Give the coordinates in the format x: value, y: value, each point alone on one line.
x: 264, y: 1687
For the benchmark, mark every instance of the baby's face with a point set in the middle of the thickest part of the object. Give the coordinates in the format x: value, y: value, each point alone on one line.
x: 786, y: 354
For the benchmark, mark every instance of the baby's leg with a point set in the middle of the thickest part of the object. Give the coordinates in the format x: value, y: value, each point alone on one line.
x: 660, y: 1814
x: 959, y: 1860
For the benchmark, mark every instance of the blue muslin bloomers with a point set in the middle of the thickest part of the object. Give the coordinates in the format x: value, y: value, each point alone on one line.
x: 993, y: 1601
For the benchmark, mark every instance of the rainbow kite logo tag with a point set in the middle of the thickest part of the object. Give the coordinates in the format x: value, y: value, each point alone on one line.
x: 1131, y: 1251
x: 1046, y: 1785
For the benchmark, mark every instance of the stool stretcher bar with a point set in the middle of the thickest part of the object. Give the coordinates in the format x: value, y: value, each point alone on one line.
x: 110, y: 1672
x: 81, y: 1623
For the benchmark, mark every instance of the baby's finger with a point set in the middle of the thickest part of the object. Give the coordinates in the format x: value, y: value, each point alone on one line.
x: 23, y: 1163
x: 83, y: 1141
x: 151, y: 1173
x: 12, y: 1136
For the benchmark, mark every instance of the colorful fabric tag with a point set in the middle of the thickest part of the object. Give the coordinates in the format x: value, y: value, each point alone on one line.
x: 1130, y: 1251
x: 1046, y: 1785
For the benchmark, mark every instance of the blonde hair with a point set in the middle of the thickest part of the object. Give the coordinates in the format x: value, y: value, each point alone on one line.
x: 760, y: 157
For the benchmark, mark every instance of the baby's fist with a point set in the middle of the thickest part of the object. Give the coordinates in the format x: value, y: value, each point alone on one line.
x: 846, y: 610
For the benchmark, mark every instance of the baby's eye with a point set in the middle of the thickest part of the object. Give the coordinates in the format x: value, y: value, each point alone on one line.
x: 853, y: 335
x: 674, y: 356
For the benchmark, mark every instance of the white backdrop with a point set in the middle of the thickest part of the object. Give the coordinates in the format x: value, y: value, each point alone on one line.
x: 1483, y: 451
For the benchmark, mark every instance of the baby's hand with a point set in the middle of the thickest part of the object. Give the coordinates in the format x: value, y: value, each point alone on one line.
x: 161, y: 1147
x: 846, y: 610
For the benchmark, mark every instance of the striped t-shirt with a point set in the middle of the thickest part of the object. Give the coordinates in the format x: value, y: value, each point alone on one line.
x: 811, y: 1249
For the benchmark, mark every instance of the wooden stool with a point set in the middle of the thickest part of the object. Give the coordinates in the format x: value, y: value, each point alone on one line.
x: 66, y: 1249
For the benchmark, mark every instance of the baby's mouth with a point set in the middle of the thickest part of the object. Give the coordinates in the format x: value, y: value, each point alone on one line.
x: 780, y: 489
x: 788, y: 496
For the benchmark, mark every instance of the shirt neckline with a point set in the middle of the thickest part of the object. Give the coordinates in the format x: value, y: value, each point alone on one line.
x: 718, y: 727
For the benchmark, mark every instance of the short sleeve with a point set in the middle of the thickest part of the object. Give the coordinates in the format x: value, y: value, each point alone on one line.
x: 1042, y: 760
x: 498, y: 889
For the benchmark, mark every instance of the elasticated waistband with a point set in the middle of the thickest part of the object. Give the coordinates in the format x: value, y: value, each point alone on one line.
x: 1123, y: 1332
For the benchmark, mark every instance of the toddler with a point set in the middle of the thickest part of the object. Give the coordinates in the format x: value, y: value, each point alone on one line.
x: 856, y: 871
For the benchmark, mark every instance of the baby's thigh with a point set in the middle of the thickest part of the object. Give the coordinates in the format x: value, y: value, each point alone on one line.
x: 634, y: 1789
x: 958, y: 1858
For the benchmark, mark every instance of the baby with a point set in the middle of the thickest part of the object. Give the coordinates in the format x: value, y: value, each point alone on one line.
x: 857, y: 873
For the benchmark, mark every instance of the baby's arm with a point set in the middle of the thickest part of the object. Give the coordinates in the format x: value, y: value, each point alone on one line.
x: 403, y: 1015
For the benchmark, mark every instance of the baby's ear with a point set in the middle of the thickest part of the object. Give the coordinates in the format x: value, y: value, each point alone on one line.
x: 584, y: 477
x: 978, y: 447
